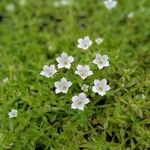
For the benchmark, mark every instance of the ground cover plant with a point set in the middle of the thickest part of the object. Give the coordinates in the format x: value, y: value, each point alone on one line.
x: 74, y: 75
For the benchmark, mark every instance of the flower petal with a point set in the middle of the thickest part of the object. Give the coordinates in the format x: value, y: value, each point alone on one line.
x: 57, y: 91
x: 70, y: 59
x: 81, y: 107
x: 74, y: 99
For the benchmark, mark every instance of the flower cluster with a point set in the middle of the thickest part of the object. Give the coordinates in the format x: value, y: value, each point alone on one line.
x: 84, y: 71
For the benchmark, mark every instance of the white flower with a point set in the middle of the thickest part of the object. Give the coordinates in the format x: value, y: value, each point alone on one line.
x: 78, y: 102
x: 48, y: 71
x: 100, y: 87
x: 84, y: 43
x: 110, y: 4
x: 61, y: 3
x: 85, y: 87
x: 12, y: 113
x: 62, y: 86
x: 83, y: 71
x: 6, y: 80
x: 130, y: 15
x: 64, y: 61
x: 99, y: 40
x: 101, y: 61
x: 22, y: 2
x: 10, y: 7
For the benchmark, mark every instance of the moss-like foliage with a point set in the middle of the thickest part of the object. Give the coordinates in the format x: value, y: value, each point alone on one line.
x: 34, y: 34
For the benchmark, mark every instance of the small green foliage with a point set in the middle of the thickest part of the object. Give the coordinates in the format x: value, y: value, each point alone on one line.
x: 34, y: 33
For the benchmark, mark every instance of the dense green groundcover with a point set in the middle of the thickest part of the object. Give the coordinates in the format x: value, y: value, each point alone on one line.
x: 35, y: 34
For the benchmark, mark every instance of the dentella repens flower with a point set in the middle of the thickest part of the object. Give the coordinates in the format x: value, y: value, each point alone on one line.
x: 13, y: 113
x: 84, y: 43
x: 48, y: 71
x: 79, y: 102
x: 83, y: 71
x: 99, y: 40
x: 101, y: 61
x: 62, y: 86
x: 100, y: 87
x: 110, y: 4
x: 85, y: 87
x: 64, y: 61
